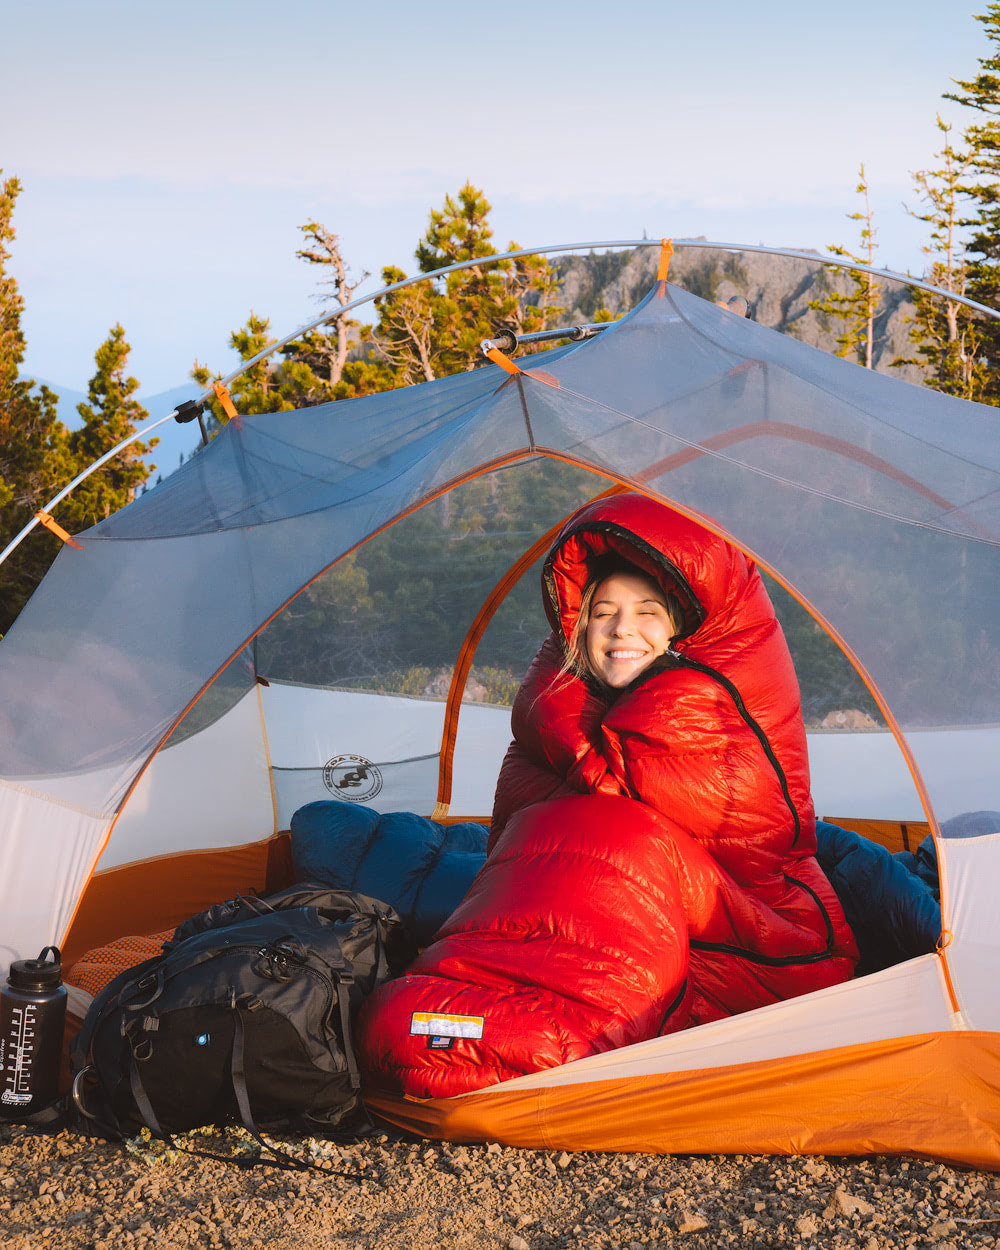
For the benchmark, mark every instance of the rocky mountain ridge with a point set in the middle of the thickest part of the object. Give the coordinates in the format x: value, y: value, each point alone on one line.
x: 778, y: 289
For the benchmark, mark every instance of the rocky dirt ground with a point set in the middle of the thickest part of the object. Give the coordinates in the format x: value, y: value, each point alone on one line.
x: 73, y: 1190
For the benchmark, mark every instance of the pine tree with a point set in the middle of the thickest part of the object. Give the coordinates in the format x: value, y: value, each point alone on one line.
x: 110, y: 415
x: 982, y: 93
x: 856, y: 308
x: 423, y: 331
x: 35, y: 459
x: 39, y: 456
x: 945, y: 333
x: 429, y: 331
x: 313, y: 369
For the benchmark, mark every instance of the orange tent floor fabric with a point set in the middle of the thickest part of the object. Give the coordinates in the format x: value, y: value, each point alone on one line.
x: 160, y: 893
x: 936, y: 1095
x: 894, y: 835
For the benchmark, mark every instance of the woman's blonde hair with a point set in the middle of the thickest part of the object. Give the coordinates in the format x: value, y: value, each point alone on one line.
x: 577, y: 659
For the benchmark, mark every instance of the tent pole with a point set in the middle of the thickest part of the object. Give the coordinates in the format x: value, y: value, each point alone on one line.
x: 108, y: 455
x: 814, y: 258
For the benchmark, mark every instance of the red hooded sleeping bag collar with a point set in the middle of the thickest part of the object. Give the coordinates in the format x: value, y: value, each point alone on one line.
x: 701, y: 877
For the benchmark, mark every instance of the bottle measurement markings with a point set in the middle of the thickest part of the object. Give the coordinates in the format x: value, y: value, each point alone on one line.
x: 18, y: 1053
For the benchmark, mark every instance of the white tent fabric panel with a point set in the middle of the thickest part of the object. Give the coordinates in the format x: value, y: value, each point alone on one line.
x: 853, y: 774
x: 308, y: 729
x: 906, y: 1000
x: 965, y: 761
x: 970, y: 872
x: 44, y: 875
x: 209, y: 791
x: 482, y: 741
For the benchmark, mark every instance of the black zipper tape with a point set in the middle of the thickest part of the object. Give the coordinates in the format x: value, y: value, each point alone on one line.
x: 685, y: 661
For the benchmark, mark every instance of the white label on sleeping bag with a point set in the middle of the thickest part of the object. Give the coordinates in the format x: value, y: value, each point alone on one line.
x: 434, y: 1024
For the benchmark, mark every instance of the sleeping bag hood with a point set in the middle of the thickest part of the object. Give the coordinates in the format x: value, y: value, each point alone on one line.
x: 709, y: 577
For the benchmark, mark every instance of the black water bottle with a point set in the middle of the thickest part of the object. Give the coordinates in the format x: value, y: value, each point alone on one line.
x: 32, y: 1019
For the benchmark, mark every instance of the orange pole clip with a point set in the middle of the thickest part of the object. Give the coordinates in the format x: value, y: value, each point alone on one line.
x: 503, y: 361
x: 666, y: 251
x: 226, y: 400
x: 57, y: 529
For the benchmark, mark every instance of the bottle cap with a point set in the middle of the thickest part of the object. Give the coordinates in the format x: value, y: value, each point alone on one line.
x: 36, y: 974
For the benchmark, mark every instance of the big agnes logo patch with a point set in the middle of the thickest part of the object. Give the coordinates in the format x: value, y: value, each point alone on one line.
x: 352, y: 777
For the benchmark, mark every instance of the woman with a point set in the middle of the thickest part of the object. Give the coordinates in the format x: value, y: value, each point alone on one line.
x: 651, y: 862
x: 704, y: 726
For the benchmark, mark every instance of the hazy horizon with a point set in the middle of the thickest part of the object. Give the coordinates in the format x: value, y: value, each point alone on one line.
x: 168, y: 158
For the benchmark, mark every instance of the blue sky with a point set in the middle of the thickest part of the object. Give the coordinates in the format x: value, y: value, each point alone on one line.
x: 169, y: 153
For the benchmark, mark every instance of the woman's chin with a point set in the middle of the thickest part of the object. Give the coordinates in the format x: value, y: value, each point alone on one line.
x: 618, y: 676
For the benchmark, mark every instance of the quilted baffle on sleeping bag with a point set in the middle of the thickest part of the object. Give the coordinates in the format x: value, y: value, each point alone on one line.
x: 571, y: 941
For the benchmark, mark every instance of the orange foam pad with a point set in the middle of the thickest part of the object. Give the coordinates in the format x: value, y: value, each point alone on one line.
x: 94, y: 970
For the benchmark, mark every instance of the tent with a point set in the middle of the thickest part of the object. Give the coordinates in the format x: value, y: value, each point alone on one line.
x: 307, y: 608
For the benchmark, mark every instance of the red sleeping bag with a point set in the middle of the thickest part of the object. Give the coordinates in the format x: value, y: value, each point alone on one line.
x: 652, y: 857
x: 571, y: 941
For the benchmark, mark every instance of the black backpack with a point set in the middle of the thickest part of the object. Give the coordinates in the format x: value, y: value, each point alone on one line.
x: 245, y: 1016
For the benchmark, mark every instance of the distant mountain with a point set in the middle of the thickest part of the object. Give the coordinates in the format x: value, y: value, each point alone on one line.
x: 176, y: 441
x: 779, y: 290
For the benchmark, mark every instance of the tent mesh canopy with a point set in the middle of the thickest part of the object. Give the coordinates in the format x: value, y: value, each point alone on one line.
x: 352, y: 545
x: 393, y: 615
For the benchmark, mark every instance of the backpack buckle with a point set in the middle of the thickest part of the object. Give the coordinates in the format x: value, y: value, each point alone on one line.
x: 274, y: 961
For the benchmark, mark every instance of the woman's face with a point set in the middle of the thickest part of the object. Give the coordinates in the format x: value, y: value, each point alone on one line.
x: 629, y: 627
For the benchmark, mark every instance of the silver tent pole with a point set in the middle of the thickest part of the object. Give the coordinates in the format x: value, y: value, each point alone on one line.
x: 108, y: 455
x: 814, y: 258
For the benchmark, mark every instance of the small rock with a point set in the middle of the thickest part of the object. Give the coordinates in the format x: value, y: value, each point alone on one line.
x: 518, y: 1243
x: 848, y: 1204
x: 807, y: 1225
x: 942, y: 1228
x: 691, y: 1222
x: 564, y: 1160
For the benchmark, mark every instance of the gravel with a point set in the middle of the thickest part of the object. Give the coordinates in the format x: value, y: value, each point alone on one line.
x: 75, y: 1190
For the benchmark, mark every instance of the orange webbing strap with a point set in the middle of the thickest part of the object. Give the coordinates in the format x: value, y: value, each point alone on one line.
x: 666, y: 251
x: 468, y: 650
x: 944, y: 941
x: 226, y: 400
x: 505, y: 362
x: 57, y: 529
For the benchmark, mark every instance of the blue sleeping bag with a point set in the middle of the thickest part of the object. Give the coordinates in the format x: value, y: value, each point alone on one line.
x: 892, y: 907
x: 421, y: 868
